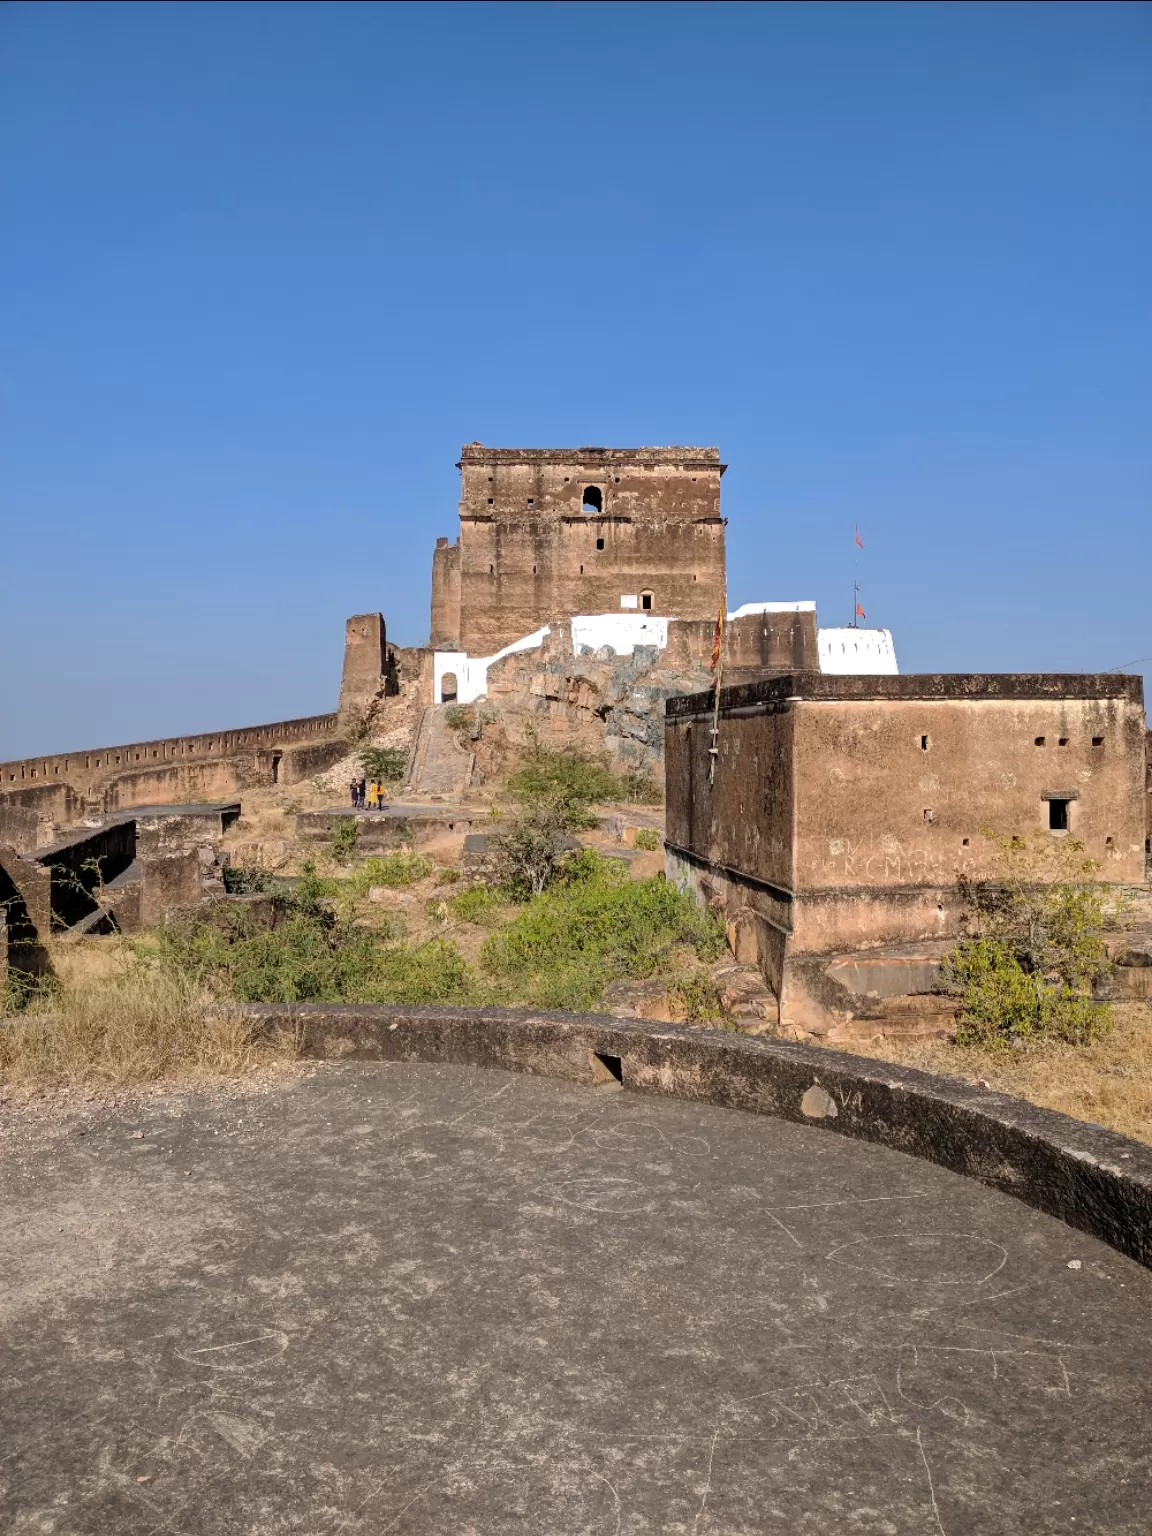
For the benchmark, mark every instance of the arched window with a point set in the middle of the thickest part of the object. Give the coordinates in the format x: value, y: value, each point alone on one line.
x: 448, y: 688
x: 593, y: 499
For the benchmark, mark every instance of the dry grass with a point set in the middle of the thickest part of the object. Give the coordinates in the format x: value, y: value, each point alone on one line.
x: 114, y: 1022
x: 1108, y: 1083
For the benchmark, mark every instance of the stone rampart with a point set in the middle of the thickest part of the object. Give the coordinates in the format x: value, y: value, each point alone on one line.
x: 212, y: 765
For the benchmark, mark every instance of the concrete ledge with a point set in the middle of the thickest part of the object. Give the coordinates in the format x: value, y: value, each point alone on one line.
x: 1086, y: 1176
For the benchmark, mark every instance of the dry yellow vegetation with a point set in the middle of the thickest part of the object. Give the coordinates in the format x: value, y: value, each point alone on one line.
x: 111, y: 1021
x: 1108, y: 1082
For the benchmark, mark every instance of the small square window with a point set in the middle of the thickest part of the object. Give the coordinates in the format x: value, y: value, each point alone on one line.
x: 1063, y: 742
x: 929, y: 818
x: 531, y: 501
x: 1039, y: 741
x: 489, y: 501
x: 1058, y: 815
x: 964, y: 841
x: 1097, y: 741
x: 599, y: 543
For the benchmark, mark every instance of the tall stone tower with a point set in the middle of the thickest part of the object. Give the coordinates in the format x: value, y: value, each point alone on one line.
x: 547, y: 533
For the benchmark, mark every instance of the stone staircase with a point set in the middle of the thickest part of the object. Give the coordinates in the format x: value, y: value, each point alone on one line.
x: 440, y: 767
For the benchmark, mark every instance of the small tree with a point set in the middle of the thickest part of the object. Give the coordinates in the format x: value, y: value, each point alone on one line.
x: 1037, y: 957
x: 384, y: 765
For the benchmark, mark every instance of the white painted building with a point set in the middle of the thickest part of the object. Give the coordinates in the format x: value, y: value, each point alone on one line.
x: 847, y: 652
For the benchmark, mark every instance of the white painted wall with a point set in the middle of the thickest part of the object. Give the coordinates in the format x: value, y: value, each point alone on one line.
x: 857, y: 652
x: 746, y: 608
x: 472, y: 671
x: 622, y: 631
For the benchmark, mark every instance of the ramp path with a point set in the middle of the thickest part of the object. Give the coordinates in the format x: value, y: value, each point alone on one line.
x: 415, y: 1298
x: 440, y: 765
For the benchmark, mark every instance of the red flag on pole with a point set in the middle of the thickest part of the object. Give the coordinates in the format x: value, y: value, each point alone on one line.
x: 860, y: 614
x: 859, y: 540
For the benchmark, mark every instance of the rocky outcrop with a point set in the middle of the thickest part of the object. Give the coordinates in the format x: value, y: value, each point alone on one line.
x: 596, y: 700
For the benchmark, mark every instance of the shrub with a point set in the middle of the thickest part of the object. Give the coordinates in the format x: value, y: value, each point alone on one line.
x: 344, y: 835
x: 529, y: 844
x: 447, y: 876
x: 479, y: 904
x: 384, y: 764
x: 1038, y: 956
x: 401, y: 867
x: 647, y: 839
x: 592, y: 927
x: 639, y: 788
x: 247, y: 880
x: 699, y: 998
x: 459, y: 717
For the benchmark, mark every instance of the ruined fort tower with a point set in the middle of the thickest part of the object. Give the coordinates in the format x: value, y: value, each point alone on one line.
x: 548, y: 533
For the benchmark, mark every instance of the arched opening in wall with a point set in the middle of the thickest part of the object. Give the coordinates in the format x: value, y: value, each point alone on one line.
x: 593, y: 499
x: 448, y: 688
x: 276, y: 756
x: 646, y: 600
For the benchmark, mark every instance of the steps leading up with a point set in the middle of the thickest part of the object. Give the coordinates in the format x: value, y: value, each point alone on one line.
x: 440, y: 765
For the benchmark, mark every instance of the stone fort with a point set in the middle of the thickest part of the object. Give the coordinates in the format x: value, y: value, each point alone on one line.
x: 580, y: 596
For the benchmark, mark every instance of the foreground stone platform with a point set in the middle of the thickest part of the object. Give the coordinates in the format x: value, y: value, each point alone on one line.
x: 416, y: 1298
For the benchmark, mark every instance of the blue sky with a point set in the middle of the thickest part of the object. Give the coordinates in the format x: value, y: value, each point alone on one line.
x: 265, y: 267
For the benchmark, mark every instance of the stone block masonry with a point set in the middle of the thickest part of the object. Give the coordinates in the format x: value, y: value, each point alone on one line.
x: 547, y: 534
x: 843, y: 810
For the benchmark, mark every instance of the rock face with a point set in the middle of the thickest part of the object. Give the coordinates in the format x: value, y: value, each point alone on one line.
x: 596, y: 701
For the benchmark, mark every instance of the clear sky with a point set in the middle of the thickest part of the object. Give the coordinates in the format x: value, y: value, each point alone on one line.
x: 263, y: 269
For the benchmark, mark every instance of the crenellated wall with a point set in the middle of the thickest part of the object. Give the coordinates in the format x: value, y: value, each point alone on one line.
x: 213, y: 765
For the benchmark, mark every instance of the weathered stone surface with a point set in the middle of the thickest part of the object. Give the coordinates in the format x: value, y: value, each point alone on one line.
x: 424, y: 1299
x: 1090, y: 1177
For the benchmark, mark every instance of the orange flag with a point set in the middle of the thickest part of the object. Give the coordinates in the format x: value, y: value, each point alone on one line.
x: 860, y: 614
x: 859, y: 540
x: 718, y: 636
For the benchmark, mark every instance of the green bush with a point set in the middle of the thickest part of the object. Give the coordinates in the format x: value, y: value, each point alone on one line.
x: 386, y: 765
x: 447, y: 876
x: 639, y: 788
x: 647, y: 839
x: 248, y: 880
x: 592, y: 927
x: 699, y: 998
x: 567, y: 777
x: 1037, y: 958
x: 401, y: 867
x: 479, y: 904
x: 312, y: 957
x: 344, y: 835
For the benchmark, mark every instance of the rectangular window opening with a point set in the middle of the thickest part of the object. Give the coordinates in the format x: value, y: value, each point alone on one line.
x: 1097, y: 741
x: 606, y: 1069
x: 599, y: 543
x: 1058, y: 815
x: 1039, y: 741
x: 1063, y: 742
x: 923, y: 743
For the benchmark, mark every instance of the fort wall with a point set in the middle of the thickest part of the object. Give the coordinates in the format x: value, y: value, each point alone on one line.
x: 210, y: 766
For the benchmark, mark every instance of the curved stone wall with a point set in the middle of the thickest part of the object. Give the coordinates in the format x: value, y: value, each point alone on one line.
x: 1091, y: 1178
